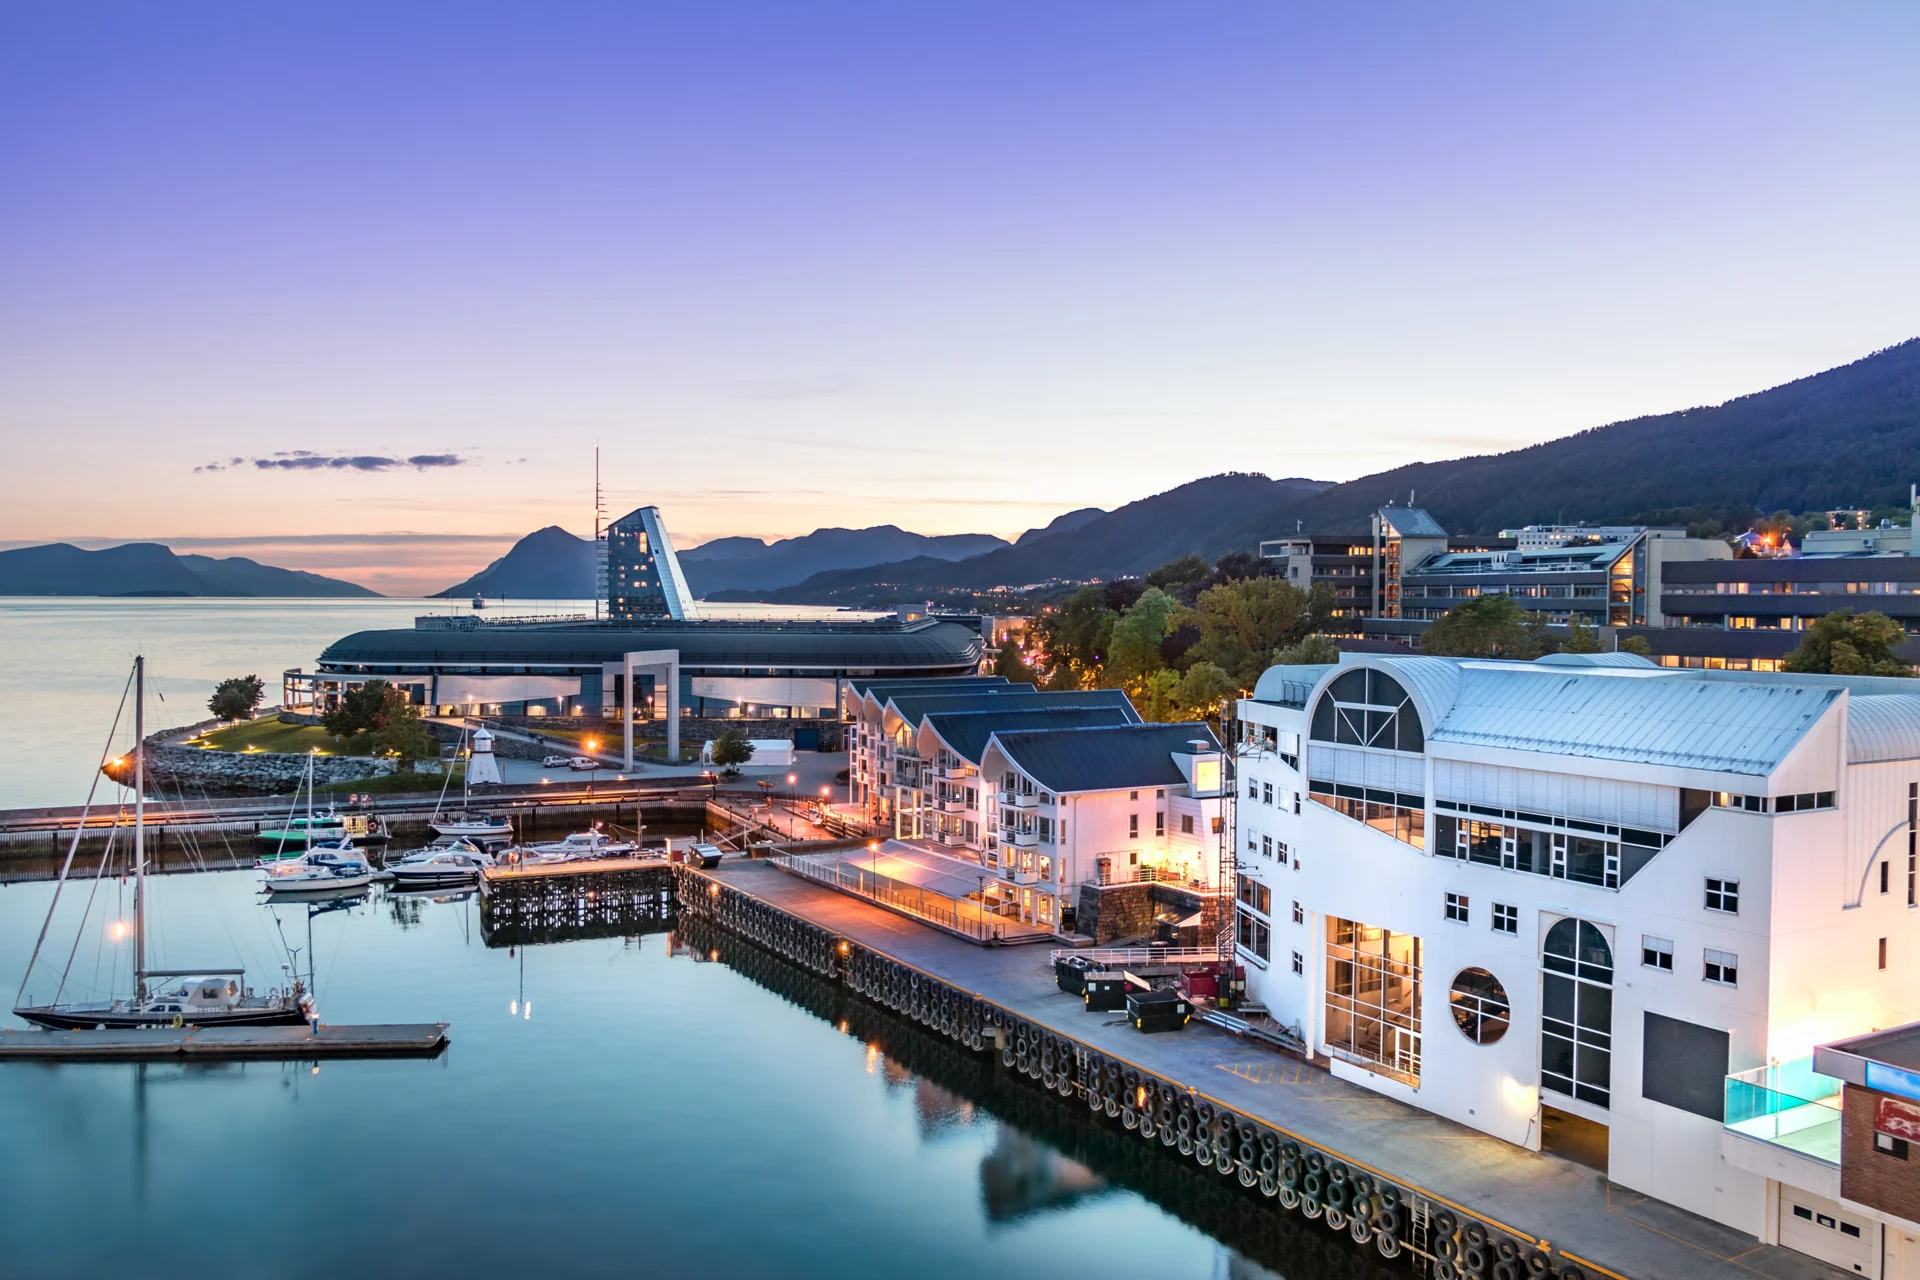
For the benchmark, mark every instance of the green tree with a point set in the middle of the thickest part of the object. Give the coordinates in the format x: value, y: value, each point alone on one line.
x: 1637, y: 644
x: 236, y: 699
x: 732, y: 749
x: 1492, y: 626
x: 1242, y: 623
x: 1581, y: 638
x: 1077, y: 633
x: 1134, y: 647
x: 362, y: 709
x: 403, y: 733
x: 1850, y: 644
x: 1160, y: 696
x: 1011, y: 663
x: 1308, y: 650
x: 1175, y: 574
x: 1202, y: 691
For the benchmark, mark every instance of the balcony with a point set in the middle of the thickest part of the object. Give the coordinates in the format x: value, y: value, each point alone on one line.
x: 1020, y: 799
x: 1789, y: 1106
x: 1020, y: 839
x: 952, y: 804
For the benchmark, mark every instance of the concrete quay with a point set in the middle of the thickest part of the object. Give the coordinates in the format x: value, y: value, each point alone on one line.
x: 1570, y: 1214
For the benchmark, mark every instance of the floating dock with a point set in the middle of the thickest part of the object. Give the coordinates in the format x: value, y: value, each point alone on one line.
x: 220, y: 1044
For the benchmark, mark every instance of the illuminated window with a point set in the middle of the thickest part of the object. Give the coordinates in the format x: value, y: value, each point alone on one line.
x: 1373, y: 998
x: 1480, y: 1007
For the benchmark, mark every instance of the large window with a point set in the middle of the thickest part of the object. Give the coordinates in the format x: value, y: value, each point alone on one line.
x: 1404, y: 817
x: 1576, y: 1019
x: 1589, y: 852
x: 1368, y: 708
x: 1373, y: 998
x: 1256, y: 939
x: 1255, y: 895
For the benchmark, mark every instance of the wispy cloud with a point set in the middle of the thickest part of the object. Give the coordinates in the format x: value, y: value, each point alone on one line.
x: 306, y: 460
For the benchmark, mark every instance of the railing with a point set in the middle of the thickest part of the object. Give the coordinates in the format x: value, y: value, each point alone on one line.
x: 957, y: 915
x: 1790, y: 1105
x: 1122, y: 956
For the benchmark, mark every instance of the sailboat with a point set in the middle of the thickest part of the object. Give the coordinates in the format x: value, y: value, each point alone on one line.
x: 161, y: 997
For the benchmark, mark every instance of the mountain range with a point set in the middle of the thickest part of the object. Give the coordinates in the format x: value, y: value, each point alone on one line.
x: 150, y: 569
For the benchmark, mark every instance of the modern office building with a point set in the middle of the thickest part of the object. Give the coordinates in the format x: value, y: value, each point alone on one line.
x: 642, y: 577
x: 1562, y: 902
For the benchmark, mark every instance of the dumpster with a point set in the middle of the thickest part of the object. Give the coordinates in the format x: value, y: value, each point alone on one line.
x: 1070, y: 974
x: 1158, y: 1010
x: 1105, y: 992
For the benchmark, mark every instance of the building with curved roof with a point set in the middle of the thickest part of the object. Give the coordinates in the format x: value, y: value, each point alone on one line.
x: 776, y: 669
x: 1591, y: 897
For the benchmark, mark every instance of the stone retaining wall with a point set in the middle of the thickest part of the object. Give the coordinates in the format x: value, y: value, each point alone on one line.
x: 192, y: 771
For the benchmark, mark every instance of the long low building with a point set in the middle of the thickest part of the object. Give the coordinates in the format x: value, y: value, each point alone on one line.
x: 758, y: 670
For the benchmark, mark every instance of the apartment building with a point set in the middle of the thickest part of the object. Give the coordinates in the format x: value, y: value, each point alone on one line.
x: 1562, y: 902
x: 1083, y: 808
x: 895, y: 785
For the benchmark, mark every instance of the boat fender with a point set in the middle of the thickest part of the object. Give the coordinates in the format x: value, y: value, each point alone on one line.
x: 1388, y: 1243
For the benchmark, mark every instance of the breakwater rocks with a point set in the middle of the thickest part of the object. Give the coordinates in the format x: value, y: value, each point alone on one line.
x: 192, y: 771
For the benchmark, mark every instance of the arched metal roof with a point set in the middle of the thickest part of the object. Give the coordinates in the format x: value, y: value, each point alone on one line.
x: 701, y: 644
x: 1883, y: 726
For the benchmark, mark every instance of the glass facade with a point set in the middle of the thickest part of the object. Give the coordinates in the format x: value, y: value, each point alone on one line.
x: 1373, y: 998
x: 1576, y: 1019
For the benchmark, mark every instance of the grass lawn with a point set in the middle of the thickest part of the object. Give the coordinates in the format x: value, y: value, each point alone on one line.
x: 394, y: 784
x: 270, y: 734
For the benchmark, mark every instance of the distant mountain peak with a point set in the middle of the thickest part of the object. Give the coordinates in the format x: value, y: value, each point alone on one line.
x: 152, y: 569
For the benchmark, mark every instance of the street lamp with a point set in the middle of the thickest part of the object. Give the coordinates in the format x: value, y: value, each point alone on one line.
x: 793, y: 801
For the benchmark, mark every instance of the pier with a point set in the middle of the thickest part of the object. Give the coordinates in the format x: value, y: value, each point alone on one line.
x: 227, y: 1044
x: 1280, y: 1127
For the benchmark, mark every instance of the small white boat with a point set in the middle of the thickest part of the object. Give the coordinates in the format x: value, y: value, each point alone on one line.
x: 581, y: 844
x: 483, y: 825
x: 336, y: 868
x: 439, y: 865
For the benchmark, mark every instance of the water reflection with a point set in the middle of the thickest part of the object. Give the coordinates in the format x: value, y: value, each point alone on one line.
x: 1049, y: 1154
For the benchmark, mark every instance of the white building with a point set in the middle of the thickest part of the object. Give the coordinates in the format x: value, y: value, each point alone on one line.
x: 1575, y: 895
x: 1105, y: 805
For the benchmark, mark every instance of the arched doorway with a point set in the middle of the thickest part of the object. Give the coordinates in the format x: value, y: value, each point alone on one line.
x: 1576, y: 1013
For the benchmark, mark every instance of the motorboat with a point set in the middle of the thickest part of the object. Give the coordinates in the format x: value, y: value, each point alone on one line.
x: 206, y: 997
x: 320, y: 869
x: 300, y: 831
x: 481, y: 825
x: 437, y: 865
x: 582, y: 844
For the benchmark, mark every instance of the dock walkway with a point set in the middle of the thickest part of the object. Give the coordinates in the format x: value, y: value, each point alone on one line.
x: 300, y: 1043
x: 1606, y: 1228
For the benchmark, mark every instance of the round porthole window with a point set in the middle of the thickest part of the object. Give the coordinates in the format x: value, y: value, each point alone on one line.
x: 1479, y: 1006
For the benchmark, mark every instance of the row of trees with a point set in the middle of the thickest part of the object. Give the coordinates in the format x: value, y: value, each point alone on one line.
x: 1180, y: 641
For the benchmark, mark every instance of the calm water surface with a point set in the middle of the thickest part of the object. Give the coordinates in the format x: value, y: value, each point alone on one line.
x: 607, y: 1106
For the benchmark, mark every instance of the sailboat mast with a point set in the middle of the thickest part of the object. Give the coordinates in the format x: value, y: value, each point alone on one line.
x: 140, y: 825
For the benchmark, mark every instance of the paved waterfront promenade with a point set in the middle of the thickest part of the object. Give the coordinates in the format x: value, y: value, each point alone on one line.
x: 1605, y: 1227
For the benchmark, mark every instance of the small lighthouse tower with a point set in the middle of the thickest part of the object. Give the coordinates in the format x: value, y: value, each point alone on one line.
x: 482, y: 767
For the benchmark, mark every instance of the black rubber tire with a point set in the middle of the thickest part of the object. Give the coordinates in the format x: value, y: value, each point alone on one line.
x: 1473, y: 1259
x: 1310, y: 1207
x: 1506, y: 1269
x: 1539, y: 1265
x: 1360, y: 1229
x: 1313, y: 1184
x: 1475, y: 1235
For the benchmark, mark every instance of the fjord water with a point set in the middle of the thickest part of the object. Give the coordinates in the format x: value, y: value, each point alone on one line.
x: 64, y: 661
x: 604, y: 1107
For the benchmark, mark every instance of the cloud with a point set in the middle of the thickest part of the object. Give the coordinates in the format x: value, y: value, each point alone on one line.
x: 306, y: 460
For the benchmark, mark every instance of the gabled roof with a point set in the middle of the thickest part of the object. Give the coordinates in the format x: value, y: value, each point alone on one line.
x: 965, y: 733
x: 1104, y: 759
x: 1611, y: 715
x: 915, y: 709
x: 882, y: 686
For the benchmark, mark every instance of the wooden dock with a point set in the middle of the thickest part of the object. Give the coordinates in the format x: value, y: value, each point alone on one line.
x: 582, y: 867
x: 221, y: 1044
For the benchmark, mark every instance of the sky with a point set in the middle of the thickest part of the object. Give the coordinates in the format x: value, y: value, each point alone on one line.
x: 358, y: 287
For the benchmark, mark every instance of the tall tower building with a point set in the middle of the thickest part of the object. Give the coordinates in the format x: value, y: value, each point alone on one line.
x: 643, y: 578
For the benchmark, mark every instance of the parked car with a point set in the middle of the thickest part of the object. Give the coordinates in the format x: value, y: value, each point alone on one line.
x: 580, y: 764
x: 554, y: 762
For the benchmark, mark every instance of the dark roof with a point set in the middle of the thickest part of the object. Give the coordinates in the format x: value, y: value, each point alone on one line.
x: 966, y: 732
x: 1069, y: 760
x: 701, y: 644
x: 1413, y: 522
x: 885, y: 686
x: 914, y: 709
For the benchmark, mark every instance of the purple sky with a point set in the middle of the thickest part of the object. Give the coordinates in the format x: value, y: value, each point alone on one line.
x: 955, y: 267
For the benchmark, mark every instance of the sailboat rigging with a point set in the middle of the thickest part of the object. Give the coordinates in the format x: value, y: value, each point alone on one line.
x: 180, y: 997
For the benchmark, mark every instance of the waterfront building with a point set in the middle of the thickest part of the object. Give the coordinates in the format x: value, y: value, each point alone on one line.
x: 780, y: 670
x: 889, y: 778
x: 1561, y: 902
x: 1081, y: 809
